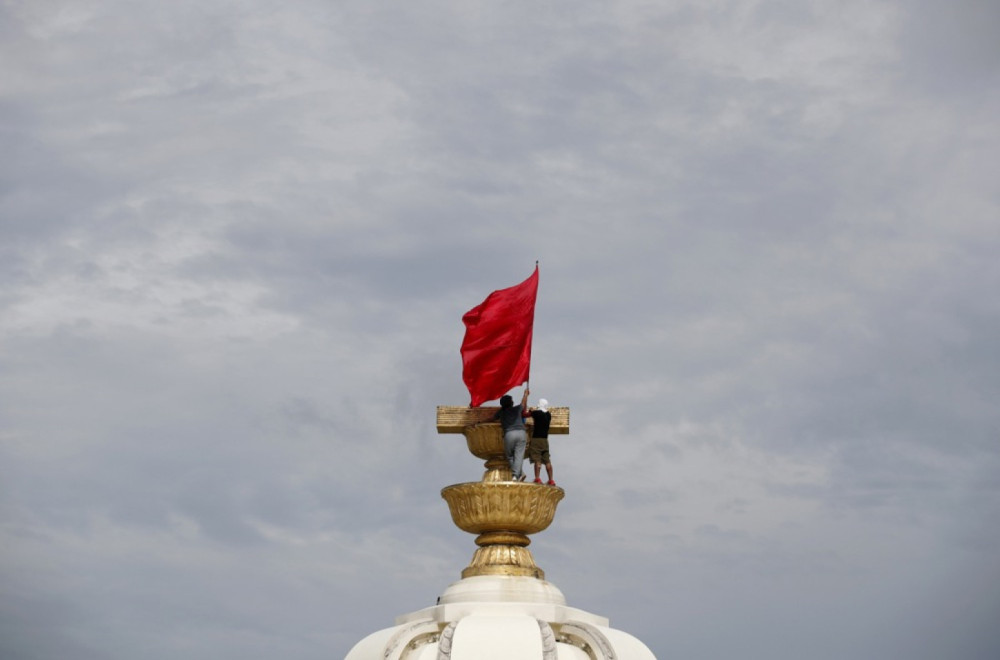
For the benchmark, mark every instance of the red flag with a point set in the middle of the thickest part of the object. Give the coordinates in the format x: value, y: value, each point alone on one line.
x: 496, y: 351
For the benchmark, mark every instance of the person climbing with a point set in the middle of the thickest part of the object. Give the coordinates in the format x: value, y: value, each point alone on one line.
x: 515, y: 434
x: 538, y: 446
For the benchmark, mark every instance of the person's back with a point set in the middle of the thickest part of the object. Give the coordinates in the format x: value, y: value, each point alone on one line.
x: 511, y: 418
x: 538, y: 447
x: 515, y: 433
x: 542, y: 420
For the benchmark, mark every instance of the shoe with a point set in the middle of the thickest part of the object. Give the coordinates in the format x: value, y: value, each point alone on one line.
x: 551, y: 483
x: 537, y: 480
x: 521, y: 478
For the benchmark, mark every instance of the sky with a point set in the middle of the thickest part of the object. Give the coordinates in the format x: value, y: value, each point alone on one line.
x: 237, y: 240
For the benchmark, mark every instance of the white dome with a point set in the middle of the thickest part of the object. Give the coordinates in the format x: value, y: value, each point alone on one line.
x: 502, y: 608
x: 502, y: 618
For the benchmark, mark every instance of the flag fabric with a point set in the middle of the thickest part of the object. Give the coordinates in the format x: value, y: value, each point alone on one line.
x: 496, y: 351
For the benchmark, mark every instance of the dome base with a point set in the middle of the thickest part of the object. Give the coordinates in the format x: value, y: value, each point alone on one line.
x: 487, y: 617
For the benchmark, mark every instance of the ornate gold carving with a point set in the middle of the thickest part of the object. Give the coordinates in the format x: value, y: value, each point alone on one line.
x: 503, y: 560
x: 486, y: 441
x: 478, y: 507
x: 502, y: 538
x: 454, y: 419
x: 502, y: 512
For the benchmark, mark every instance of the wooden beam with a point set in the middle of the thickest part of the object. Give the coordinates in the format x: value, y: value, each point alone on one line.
x: 452, y: 419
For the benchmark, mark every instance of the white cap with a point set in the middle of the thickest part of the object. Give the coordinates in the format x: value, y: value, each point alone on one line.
x: 543, y: 405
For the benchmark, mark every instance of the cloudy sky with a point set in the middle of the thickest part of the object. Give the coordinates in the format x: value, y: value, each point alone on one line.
x: 237, y: 239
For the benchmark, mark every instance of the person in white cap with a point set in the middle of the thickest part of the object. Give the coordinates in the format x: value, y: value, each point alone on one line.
x: 538, y: 446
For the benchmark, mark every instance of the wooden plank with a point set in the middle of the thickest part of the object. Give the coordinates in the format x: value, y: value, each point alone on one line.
x: 452, y: 419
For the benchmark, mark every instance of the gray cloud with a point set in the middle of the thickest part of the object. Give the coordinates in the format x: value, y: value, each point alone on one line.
x: 237, y: 242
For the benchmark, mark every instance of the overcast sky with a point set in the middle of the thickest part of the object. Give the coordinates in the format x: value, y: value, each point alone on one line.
x: 237, y: 239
